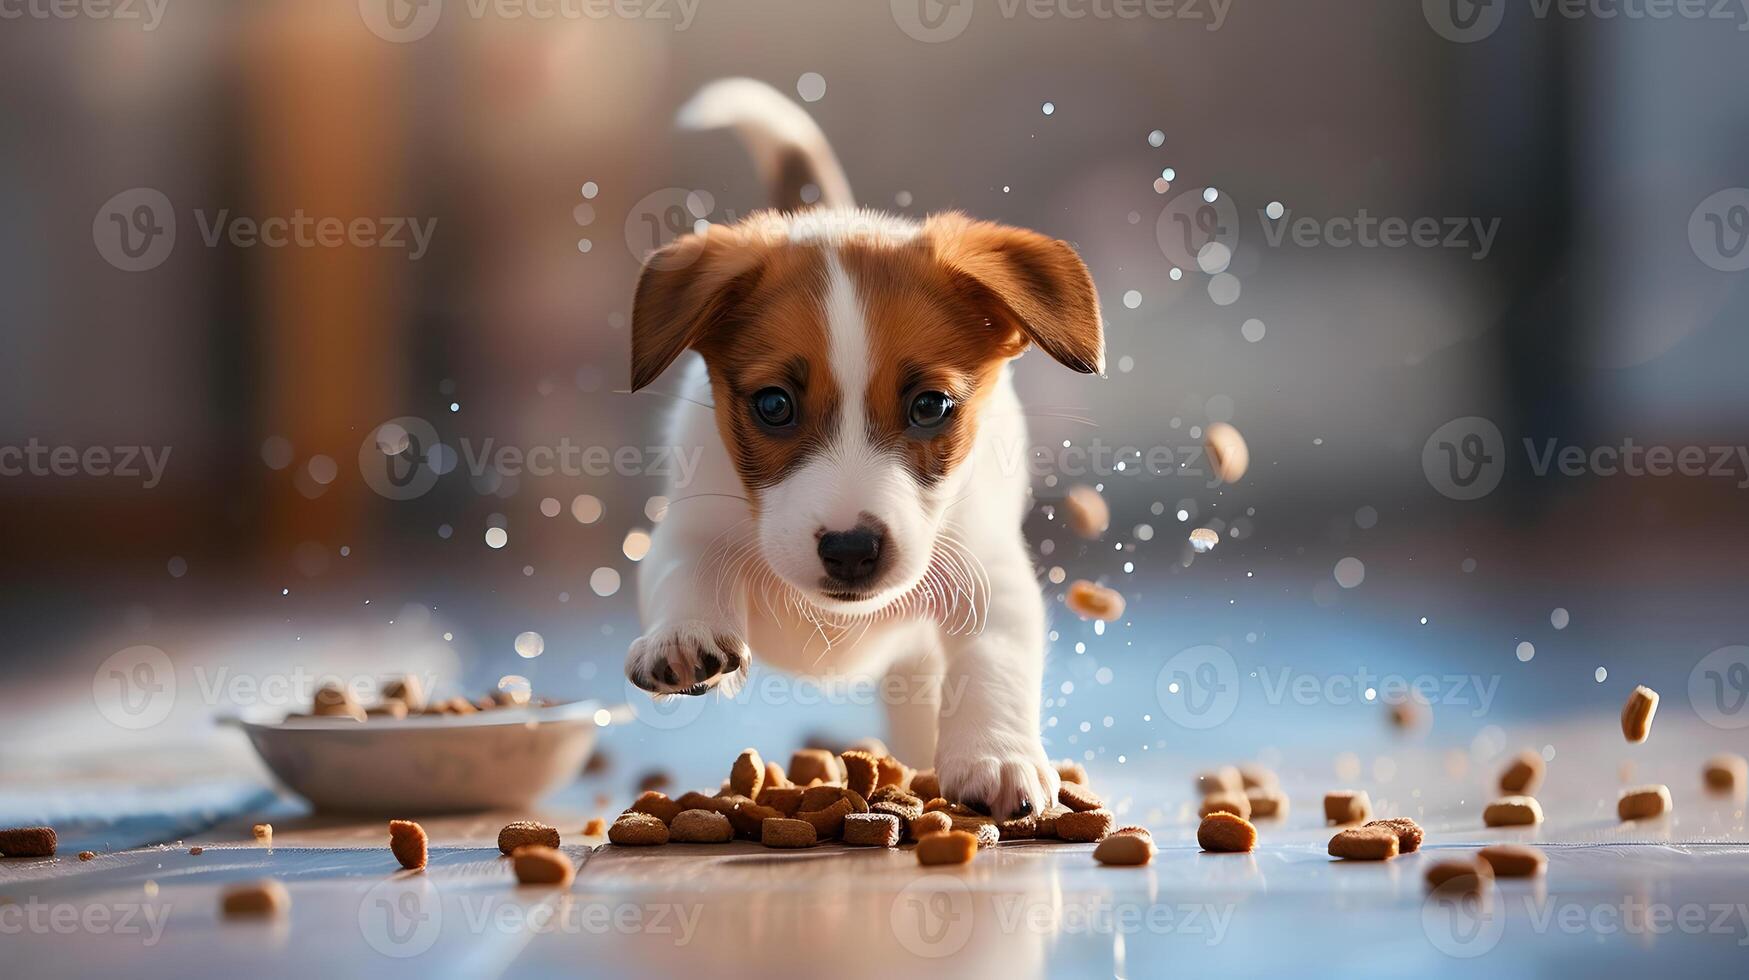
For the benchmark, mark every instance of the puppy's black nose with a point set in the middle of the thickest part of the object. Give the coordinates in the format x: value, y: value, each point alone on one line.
x: 851, y: 556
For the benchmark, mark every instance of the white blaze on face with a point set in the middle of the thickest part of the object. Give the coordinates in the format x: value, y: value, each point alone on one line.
x: 849, y: 478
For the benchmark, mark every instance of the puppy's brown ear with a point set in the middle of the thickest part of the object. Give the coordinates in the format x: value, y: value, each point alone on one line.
x: 685, y: 288
x: 1037, y: 283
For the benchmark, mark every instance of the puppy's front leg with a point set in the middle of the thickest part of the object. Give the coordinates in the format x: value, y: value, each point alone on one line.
x: 989, y: 754
x: 693, y: 601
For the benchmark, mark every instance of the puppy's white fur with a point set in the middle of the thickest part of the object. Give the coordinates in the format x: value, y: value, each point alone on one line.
x: 958, y: 623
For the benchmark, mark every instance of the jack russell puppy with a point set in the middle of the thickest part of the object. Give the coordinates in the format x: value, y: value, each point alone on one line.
x: 858, y: 504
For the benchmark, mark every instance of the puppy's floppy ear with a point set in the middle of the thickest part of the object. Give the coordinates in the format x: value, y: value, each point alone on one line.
x: 1038, y: 283
x: 685, y: 288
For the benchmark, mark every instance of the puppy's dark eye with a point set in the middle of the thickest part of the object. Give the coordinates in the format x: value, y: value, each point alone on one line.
x: 773, y: 407
x: 930, y: 408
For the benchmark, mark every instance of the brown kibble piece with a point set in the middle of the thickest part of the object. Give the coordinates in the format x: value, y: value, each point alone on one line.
x: 821, y: 797
x: 87, y: 855
x: 938, y: 803
x: 1523, y: 775
x: 636, y: 830
x: 1643, y: 802
x: 408, y: 690
x: 1086, y: 512
x: 748, y: 774
x: 1226, y: 779
x: 654, y: 779
x: 1091, y: 601
x: 1470, y: 875
x: 387, y: 709
x: 26, y: 842
x: 1125, y: 850
x: 1636, y: 715
x: 1022, y: 828
x: 871, y: 830
x: 595, y: 827
x: 784, y: 799
x: 925, y: 785
x: 905, y: 811
x: 1364, y: 844
x: 1513, y: 811
x: 1078, y: 798
x: 1135, y: 829
x: 948, y: 847
x: 829, y: 822
x: 1347, y: 806
x: 255, y: 899
x: 692, y: 799
x: 892, y: 772
x: 657, y: 805
x: 934, y: 822
x: 407, y: 841
x: 775, y: 777
x: 784, y: 832
x: 1266, y: 802
x: 197, y: 851
x: 1226, y: 833
x: 263, y: 833
x: 1227, y: 452
x: 1237, y: 804
x: 1726, y: 772
x: 749, y: 818
x: 1513, y: 860
x: 522, y: 833
x: 1257, y: 777
x: 540, y: 865
x: 1047, y: 821
x: 807, y: 765
x: 862, y: 772
x: 1069, y: 771
x: 1083, y: 826
x: 335, y: 701
x: 700, y: 827
x: 1409, y: 833
x: 1406, y: 714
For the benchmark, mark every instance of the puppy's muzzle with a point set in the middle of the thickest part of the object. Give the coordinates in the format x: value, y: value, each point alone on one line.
x: 853, y: 559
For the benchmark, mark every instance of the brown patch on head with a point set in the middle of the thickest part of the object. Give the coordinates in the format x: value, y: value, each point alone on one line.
x: 946, y: 311
x: 753, y: 305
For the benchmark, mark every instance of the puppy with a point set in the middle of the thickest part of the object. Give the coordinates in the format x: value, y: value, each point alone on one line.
x: 858, y: 504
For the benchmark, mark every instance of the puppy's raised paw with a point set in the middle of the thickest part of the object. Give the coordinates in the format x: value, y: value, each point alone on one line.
x: 1007, y: 778
x: 688, y: 657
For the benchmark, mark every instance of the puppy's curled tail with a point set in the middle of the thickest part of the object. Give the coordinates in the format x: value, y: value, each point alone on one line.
x: 787, y: 146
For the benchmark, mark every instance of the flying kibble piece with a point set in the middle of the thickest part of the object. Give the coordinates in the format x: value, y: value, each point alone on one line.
x: 1227, y: 452
x: 1090, y: 601
x: 1524, y: 774
x: 1086, y: 511
x: 1726, y: 773
x: 1513, y: 811
x: 1643, y: 803
x: 1513, y: 860
x: 1347, y: 806
x: 1636, y: 715
x: 1203, y: 540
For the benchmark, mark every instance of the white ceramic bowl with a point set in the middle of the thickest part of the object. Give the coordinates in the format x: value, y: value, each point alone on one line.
x: 506, y: 758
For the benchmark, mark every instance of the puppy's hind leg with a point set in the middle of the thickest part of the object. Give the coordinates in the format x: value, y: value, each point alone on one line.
x: 911, y: 694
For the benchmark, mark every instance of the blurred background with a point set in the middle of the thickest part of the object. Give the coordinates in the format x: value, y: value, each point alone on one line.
x: 1406, y: 248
